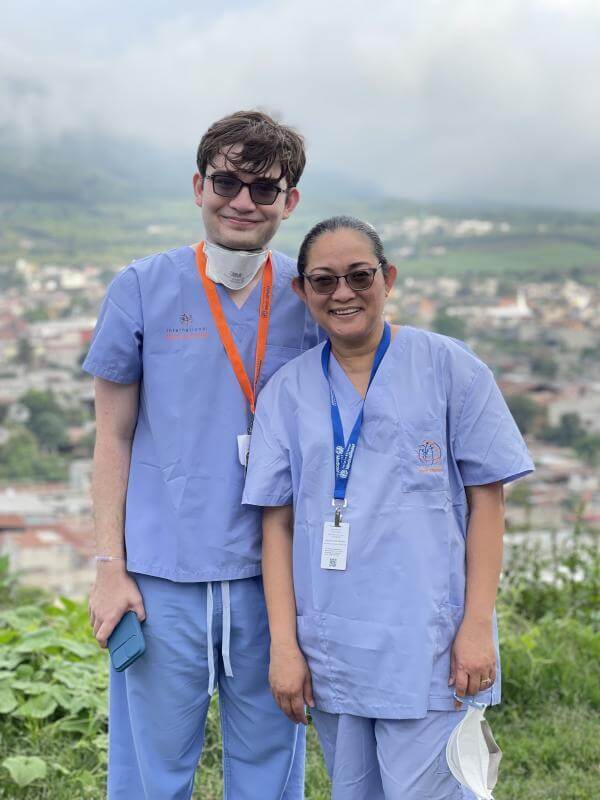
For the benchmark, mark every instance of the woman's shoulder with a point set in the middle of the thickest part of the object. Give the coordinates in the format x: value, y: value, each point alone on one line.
x: 440, y: 347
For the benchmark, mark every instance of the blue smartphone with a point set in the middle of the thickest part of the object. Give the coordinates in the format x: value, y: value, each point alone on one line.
x: 126, y: 643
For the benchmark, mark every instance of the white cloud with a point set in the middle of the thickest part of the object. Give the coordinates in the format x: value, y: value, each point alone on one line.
x: 494, y: 100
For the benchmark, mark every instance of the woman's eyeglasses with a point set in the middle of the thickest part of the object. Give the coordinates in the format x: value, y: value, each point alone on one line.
x: 358, y: 280
x: 263, y: 193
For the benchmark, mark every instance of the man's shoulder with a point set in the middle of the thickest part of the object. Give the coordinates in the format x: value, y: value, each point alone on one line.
x: 284, y: 265
x: 290, y: 374
x: 175, y: 259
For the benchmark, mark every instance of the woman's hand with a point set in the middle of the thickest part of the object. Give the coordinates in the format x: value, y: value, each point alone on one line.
x: 290, y: 681
x: 473, y: 660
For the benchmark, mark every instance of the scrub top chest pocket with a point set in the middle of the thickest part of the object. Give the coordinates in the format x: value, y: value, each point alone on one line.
x: 424, y: 456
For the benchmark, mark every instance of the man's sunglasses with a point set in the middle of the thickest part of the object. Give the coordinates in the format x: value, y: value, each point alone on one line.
x: 358, y: 280
x: 262, y: 193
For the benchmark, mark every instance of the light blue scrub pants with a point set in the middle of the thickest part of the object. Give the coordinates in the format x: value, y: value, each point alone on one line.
x: 389, y: 759
x: 158, y: 706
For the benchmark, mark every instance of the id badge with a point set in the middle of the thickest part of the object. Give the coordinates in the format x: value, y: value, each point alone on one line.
x: 335, y: 545
x: 243, y: 441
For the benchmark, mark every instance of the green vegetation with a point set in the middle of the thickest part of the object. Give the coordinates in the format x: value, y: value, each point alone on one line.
x: 570, y: 432
x: 53, y: 682
x: 525, y: 411
x: 449, y: 326
x: 21, y: 459
x: 538, y: 259
x: 38, y: 450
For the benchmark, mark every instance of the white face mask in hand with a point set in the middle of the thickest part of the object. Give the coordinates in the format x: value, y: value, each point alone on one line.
x: 233, y: 268
x: 472, y: 754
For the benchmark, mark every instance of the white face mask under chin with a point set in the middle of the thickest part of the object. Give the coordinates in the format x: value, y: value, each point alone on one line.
x: 233, y: 268
x: 472, y: 754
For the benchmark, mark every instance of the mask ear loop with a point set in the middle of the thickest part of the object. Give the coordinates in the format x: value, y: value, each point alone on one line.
x: 469, y: 701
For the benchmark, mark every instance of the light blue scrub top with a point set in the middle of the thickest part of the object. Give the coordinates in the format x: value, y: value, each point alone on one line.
x: 377, y: 636
x: 184, y: 518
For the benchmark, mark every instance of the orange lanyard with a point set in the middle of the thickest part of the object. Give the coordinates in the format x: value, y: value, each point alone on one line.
x: 233, y: 354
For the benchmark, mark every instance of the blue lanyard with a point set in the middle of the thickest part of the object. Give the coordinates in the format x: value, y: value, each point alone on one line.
x: 344, y: 452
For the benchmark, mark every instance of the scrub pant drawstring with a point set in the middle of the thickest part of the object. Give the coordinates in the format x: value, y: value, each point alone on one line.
x: 226, y: 633
x: 226, y: 628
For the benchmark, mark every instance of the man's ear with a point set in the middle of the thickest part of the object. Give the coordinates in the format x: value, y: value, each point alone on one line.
x: 298, y: 287
x: 292, y: 198
x: 198, y: 183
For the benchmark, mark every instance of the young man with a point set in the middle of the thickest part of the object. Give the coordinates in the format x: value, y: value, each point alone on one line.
x: 184, y: 342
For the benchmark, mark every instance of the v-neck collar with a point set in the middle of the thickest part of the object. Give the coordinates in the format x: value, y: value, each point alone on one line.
x: 239, y: 313
x: 342, y: 383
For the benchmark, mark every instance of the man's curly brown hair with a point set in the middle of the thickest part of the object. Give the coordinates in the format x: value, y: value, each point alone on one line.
x: 263, y: 142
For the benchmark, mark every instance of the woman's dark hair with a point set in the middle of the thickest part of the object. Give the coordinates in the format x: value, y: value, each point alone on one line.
x: 263, y: 142
x: 338, y: 224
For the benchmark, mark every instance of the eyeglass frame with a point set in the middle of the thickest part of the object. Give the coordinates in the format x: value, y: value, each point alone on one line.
x: 372, y: 270
x: 277, y: 189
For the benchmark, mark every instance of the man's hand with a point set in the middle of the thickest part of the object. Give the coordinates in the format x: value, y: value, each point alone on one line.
x: 114, y: 592
x: 290, y: 681
x: 473, y: 661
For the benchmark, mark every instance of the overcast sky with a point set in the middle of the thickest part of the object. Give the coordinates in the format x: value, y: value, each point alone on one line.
x: 493, y: 100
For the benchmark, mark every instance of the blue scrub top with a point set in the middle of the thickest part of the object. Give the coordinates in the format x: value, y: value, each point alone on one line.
x: 377, y: 636
x: 184, y: 520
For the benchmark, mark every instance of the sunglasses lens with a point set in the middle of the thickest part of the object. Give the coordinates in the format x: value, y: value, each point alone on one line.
x: 360, y: 280
x: 263, y: 193
x: 226, y: 186
x: 323, y: 284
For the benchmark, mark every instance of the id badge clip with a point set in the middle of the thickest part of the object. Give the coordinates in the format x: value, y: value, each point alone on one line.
x: 338, y: 505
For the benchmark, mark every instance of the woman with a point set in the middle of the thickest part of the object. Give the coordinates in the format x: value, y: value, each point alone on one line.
x: 382, y: 543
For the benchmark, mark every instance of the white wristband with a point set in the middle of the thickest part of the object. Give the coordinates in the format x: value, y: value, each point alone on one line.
x: 109, y: 558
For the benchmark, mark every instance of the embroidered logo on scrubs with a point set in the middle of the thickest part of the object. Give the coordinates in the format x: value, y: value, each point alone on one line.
x: 184, y: 331
x: 430, y: 456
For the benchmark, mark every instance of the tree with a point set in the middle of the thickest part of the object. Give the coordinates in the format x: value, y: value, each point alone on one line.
x: 544, y: 365
x: 24, y: 353
x: 567, y: 432
x: 449, y: 326
x: 50, y: 430
x: 48, y: 421
x: 39, y: 402
x: 21, y: 459
x: 588, y: 449
x: 525, y: 412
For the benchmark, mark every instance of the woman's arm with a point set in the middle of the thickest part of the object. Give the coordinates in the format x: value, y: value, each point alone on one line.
x: 288, y: 672
x: 473, y: 654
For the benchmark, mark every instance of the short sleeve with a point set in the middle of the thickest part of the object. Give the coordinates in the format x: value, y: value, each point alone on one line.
x: 116, y: 350
x: 269, y: 476
x: 487, y: 445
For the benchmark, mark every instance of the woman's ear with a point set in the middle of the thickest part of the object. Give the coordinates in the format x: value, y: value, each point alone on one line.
x: 390, y: 278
